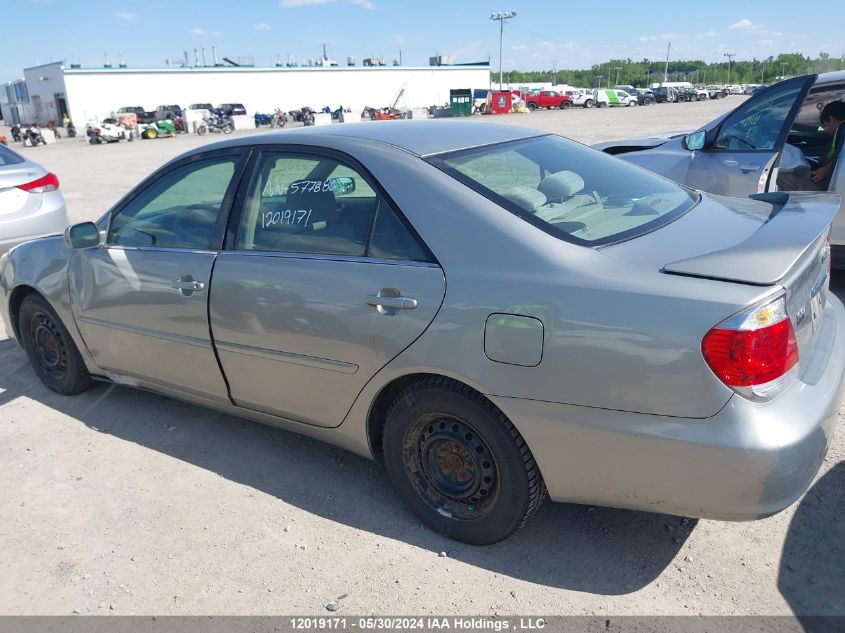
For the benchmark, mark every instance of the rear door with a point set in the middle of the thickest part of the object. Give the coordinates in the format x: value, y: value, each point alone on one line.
x: 741, y: 153
x: 322, y: 284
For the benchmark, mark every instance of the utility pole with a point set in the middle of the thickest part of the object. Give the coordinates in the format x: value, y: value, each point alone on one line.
x: 666, y: 68
x: 730, y: 56
x: 554, y: 72
x: 617, y: 69
x: 762, y: 72
x: 501, y: 17
x: 598, y: 81
x: 782, y: 70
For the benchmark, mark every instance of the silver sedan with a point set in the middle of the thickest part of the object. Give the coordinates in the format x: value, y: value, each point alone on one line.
x: 494, y: 313
x: 30, y: 202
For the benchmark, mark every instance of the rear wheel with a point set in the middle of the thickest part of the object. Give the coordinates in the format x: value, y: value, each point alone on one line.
x: 632, y: 103
x: 51, y: 351
x: 532, y: 106
x: 152, y: 134
x: 459, y: 463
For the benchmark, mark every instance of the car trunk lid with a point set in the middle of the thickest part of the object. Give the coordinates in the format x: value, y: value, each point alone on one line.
x: 777, y: 240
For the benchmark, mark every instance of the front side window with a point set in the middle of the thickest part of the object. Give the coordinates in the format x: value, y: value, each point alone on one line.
x: 179, y: 210
x: 300, y: 203
x: 757, y: 125
x: 571, y: 191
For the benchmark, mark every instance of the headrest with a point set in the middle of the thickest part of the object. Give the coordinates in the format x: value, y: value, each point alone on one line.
x: 526, y: 197
x: 561, y: 185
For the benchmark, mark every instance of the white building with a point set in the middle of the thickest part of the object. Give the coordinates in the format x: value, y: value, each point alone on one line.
x: 94, y: 93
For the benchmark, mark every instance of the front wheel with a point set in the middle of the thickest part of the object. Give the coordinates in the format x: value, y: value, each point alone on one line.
x: 588, y: 103
x: 459, y: 463
x: 50, y: 348
x: 227, y: 129
x: 565, y: 105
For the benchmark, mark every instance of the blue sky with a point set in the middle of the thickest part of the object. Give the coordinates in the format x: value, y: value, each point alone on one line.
x: 570, y: 34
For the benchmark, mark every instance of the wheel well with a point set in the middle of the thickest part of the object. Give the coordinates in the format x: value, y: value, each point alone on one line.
x: 385, y: 397
x: 18, y: 295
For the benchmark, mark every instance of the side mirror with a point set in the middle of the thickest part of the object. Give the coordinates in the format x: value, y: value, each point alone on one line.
x: 83, y: 235
x: 342, y: 185
x: 695, y: 140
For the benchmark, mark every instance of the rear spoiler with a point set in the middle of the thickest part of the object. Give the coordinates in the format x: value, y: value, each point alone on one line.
x: 797, y: 221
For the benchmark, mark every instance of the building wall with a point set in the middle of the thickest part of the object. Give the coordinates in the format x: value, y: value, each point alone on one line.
x: 95, y: 93
x: 44, y: 83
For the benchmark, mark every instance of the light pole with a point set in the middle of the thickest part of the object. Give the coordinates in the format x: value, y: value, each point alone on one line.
x: 617, y: 69
x: 666, y: 67
x: 730, y: 56
x: 598, y: 81
x: 501, y: 17
x: 782, y: 70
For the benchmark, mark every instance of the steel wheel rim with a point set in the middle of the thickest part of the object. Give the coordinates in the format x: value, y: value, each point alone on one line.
x: 48, y: 344
x: 451, y: 466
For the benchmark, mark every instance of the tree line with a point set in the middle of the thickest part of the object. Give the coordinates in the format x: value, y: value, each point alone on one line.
x: 647, y: 71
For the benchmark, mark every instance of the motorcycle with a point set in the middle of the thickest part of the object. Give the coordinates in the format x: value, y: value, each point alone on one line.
x: 54, y: 129
x: 16, y: 133
x: 382, y: 114
x: 263, y: 119
x: 108, y: 131
x: 215, y: 124
x: 303, y: 115
x: 33, y: 136
x: 71, y: 130
x: 279, y: 119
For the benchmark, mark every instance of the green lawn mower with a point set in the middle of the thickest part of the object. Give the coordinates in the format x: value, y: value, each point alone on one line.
x: 159, y: 129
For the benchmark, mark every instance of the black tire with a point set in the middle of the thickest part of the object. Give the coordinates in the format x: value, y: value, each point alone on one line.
x: 52, y: 353
x: 566, y: 105
x: 588, y: 103
x: 459, y: 463
x: 227, y: 128
x: 532, y: 106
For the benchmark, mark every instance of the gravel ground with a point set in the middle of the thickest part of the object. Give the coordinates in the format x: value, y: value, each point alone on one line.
x: 122, y: 502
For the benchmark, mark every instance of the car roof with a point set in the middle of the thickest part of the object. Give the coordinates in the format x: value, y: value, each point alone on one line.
x: 830, y: 78
x: 423, y: 138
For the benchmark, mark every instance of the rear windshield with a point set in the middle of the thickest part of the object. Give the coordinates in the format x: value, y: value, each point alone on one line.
x: 8, y: 157
x: 569, y: 190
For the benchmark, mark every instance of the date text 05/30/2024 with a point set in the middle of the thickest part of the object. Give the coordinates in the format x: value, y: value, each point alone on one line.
x: 419, y: 624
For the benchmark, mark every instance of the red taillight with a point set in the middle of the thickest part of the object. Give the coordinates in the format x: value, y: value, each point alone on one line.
x: 44, y: 184
x: 754, y: 351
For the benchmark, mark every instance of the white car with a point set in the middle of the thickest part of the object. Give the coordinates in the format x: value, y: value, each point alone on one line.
x: 613, y: 98
x: 31, y: 205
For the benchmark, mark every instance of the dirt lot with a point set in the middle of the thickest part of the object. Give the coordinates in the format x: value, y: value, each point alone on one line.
x: 122, y: 502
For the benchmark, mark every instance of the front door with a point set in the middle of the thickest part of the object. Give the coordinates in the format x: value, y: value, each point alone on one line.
x: 141, y: 300
x: 742, y: 152
x: 324, y: 285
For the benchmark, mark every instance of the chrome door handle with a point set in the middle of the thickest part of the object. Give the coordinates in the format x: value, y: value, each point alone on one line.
x: 187, y: 285
x: 395, y: 303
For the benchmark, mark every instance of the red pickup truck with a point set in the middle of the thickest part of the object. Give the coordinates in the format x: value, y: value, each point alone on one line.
x: 548, y: 99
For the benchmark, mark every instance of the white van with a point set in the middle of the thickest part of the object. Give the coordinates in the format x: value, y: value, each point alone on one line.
x: 613, y: 98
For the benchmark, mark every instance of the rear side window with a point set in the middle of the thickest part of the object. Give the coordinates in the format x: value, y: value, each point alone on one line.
x: 758, y: 123
x: 8, y: 157
x: 317, y: 204
x: 569, y: 190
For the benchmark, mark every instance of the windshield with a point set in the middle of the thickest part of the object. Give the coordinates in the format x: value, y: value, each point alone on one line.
x: 569, y: 190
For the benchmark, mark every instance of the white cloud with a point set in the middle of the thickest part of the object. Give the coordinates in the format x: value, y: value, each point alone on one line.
x: 706, y: 34
x: 745, y: 25
x: 519, y: 47
x: 126, y: 16
x: 198, y: 30
x: 262, y: 26
x: 293, y: 4
x: 367, y: 5
x: 665, y: 37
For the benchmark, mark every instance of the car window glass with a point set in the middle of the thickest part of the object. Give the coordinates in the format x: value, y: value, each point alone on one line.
x: 303, y: 204
x: 179, y: 210
x: 584, y: 195
x: 759, y: 122
x: 392, y: 239
x: 8, y: 157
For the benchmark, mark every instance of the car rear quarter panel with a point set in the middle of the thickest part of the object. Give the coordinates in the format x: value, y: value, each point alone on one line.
x: 615, y: 337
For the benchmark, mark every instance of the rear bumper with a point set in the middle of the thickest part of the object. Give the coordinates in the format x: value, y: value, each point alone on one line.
x: 749, y: 461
